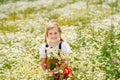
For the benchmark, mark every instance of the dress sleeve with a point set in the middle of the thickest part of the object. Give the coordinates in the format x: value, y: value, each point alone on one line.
x: 66, y: 48
x: 42, y: 51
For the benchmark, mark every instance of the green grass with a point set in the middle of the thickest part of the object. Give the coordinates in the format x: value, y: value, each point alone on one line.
x: 9, y: 29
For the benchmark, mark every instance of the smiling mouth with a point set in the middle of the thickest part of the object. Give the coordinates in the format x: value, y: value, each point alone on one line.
x: 54, y: 38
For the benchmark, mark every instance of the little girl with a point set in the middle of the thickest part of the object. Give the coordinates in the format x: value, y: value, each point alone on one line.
x: 53, y: 39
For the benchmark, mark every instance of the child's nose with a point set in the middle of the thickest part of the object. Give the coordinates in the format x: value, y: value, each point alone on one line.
x: 53, y: 35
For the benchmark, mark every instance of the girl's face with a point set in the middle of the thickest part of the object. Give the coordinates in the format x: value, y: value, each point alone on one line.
x: 53, y: 35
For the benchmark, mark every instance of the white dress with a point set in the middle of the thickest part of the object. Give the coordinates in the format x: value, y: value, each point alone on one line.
x: 64, y: 47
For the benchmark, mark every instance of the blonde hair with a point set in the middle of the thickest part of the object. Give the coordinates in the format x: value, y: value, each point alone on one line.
x: 50, y: 26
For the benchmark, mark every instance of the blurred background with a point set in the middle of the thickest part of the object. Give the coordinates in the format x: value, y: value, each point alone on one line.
x: 91, y: 27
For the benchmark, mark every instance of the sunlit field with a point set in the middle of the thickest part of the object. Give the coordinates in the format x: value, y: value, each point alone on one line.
x: 91, y: 27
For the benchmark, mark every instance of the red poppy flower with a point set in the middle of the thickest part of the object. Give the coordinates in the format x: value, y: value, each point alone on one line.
x: 67, y: 71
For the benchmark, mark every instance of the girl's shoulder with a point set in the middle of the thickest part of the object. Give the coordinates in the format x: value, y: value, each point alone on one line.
x: 43, y: 45
x: 65, y: 44
x: 66, y: 47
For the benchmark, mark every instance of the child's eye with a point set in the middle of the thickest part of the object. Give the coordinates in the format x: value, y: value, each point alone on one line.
x: 55, y: 33
x: 50, y: 33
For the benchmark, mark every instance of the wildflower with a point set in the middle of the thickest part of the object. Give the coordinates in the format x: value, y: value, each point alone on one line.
x: 115, y: 60
x: 67, y: 71
x: 56, y: 58
x: 61, y: 71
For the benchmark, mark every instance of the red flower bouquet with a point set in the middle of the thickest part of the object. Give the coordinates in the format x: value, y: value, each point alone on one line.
x: 56, y: 64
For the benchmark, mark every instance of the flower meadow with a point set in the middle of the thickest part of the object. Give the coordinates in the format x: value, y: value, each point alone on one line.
x: 91, y: 27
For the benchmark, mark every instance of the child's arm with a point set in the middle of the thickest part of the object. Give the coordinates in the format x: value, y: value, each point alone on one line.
x: 43, y: 63
x: 43, y: 57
